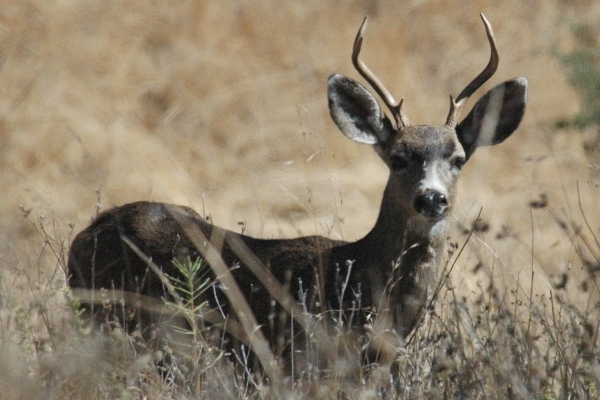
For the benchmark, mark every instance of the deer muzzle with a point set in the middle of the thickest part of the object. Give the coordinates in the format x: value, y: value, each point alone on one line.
x: 431, y: 204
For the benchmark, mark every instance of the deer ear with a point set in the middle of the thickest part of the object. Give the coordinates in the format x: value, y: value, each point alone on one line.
x: 494, y: 117
x: 356, y: 112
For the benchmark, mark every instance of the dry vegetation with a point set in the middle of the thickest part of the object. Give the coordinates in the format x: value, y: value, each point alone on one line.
x: 221, y: 106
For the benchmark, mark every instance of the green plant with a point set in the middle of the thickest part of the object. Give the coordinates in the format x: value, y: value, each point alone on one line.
x: 583, y: 69
x: 188, y: 340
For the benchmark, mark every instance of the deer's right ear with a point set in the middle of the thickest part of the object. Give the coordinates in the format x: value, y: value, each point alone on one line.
x: 356, y: 112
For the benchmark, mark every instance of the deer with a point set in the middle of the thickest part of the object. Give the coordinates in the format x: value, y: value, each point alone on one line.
x: 392, y: 271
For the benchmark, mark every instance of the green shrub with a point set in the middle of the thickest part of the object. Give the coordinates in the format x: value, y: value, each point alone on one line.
x: 583, y: 69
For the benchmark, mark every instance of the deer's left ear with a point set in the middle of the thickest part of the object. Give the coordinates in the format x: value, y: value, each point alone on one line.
x: 494, y: 117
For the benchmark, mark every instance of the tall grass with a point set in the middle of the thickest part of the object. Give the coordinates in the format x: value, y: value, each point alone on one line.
x: 493, y: 345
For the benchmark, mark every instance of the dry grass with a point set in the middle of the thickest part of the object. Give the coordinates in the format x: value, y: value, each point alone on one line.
x: 222, y: 107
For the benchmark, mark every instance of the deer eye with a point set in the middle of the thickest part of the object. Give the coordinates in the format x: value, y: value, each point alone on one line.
x: 459, y: 162
x: 398, y: 163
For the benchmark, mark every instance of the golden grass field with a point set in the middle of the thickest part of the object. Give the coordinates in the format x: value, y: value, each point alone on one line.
x: 222, y: 106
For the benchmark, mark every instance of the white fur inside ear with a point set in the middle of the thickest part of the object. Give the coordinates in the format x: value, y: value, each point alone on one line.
x: 351, y: 127
x: 355, y: 111
x: 491, y: 117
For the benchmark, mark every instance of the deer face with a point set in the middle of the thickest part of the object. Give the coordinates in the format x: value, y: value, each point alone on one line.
x: 425, y: 163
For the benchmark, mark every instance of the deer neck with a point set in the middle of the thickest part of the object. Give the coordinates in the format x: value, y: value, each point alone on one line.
x: 401, y: 233
x: 403, y: 246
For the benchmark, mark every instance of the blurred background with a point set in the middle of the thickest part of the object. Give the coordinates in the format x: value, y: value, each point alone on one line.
x: 222, y: 106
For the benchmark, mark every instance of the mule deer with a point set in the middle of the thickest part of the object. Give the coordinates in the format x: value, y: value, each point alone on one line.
x: 393, y: 268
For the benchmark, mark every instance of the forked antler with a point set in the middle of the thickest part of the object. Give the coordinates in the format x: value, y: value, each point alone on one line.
x: 386, y: 96
x: 490, y: 69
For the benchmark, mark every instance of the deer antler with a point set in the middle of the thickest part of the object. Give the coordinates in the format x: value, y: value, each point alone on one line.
x: 386, y: 96
x: 490, y: 69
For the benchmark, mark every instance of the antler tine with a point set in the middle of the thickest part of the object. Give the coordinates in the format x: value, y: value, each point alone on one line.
x: 386, y: 96
x: 490, y: 69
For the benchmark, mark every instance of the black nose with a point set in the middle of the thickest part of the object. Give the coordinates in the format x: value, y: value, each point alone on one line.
x: 431, y: 204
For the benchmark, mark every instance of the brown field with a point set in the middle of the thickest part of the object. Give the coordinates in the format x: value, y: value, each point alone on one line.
x: 222, y: 106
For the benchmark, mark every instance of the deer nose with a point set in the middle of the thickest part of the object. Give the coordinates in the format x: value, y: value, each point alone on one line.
x: 431, y: 204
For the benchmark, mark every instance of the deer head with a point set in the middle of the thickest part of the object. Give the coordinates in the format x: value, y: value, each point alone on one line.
x: 425, y: 161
